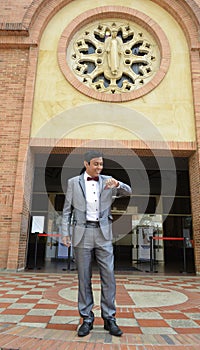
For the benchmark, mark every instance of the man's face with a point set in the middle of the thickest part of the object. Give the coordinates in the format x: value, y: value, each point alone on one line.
x: 94, y: 167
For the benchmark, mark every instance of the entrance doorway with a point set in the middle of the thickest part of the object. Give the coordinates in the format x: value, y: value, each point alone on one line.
x: 147, y: 207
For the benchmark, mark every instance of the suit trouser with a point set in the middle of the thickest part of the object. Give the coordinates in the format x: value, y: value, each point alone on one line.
x: 94, y: 242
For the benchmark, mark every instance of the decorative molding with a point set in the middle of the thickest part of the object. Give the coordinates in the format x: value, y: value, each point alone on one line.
x: 120, y: 15
x: 113, y: 56
x: 179, y: 149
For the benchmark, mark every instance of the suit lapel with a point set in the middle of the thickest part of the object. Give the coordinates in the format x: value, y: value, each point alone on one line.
x: 82, y: 184
x: 101, y: 184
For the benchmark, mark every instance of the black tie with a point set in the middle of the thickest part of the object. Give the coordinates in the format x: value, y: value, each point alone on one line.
x: 95, y: 178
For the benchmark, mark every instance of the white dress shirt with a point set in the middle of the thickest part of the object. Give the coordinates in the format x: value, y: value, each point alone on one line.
x: 92, y: 199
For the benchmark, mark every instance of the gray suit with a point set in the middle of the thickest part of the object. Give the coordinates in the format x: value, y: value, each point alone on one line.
x: 86, y: 239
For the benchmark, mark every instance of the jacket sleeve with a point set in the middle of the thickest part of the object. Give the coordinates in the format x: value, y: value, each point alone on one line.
x: 123, y: 190
x: 67, y: 210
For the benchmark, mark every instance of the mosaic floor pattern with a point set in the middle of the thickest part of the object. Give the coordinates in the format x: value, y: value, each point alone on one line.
x: 39, y: 311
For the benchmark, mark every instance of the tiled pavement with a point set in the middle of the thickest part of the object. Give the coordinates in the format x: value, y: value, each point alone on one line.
x: 38, y: 311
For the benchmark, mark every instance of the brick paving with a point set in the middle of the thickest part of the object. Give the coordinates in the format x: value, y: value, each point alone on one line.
x: 38, y: 311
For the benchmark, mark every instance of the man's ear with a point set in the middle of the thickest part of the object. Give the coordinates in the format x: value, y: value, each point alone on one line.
x: 85, y: 163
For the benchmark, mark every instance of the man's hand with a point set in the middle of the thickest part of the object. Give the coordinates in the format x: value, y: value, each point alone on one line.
x: 66, y: 241
x: 111, y: 182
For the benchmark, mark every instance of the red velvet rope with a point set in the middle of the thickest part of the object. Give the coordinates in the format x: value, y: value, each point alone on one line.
x: 154, y: 237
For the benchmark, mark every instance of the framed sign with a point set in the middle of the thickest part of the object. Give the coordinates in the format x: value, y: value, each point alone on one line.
x: 144, y: 234
x: 37, y: 224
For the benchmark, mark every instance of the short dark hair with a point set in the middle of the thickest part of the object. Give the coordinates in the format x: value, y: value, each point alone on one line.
x: 92, y: 154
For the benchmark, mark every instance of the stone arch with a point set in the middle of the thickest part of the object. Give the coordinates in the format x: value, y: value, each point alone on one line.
x: 187, y: 14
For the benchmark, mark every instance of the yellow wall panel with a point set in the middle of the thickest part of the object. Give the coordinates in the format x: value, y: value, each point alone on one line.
x: 169, y: 107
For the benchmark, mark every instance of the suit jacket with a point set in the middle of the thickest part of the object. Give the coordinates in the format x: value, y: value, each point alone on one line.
x: 74, y: 211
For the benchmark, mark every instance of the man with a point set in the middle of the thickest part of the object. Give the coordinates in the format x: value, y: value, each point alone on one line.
x: 88, y: 206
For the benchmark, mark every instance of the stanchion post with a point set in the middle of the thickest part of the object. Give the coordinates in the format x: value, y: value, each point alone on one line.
x: 184, y: 255
x: 154, y: 249
x: 36, y: 246
x: 69, y: 258
x: 151, y: 253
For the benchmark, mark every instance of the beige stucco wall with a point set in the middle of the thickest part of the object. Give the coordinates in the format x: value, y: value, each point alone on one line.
x: 61, y: 111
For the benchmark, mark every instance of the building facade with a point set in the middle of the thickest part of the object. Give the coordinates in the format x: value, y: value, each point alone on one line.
x: 125, y: 79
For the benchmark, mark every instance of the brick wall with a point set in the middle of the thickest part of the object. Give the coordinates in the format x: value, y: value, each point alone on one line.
x: 195, y: 203
x: 195, y: 160
x: 13, y: 68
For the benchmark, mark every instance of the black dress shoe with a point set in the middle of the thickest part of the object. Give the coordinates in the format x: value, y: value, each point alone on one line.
x: 112, y: 327
x: 85, y: 329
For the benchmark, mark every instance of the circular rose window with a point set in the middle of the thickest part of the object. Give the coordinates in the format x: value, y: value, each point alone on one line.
x: 111, y: 59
